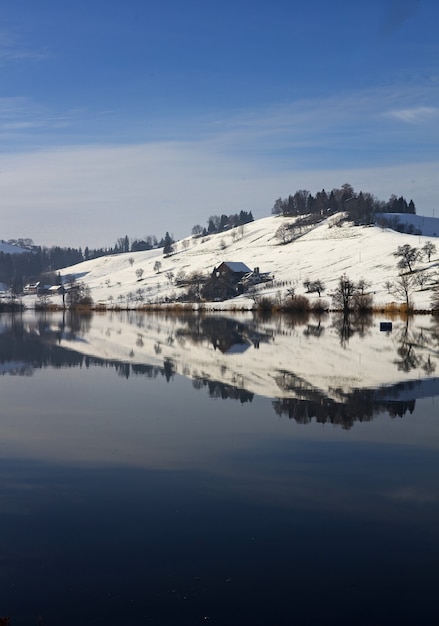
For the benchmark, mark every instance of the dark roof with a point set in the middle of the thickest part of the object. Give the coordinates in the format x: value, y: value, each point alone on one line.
x: 237, y: 267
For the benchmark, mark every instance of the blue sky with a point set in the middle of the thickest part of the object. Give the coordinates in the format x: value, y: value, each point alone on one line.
x: 139, y: 117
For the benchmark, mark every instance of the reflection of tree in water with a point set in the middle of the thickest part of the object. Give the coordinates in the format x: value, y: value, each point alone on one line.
x: 412, y: 344
x: 348, y: 325
x: 36, y: 344
x: 217, y: 389
x: 37, y: 347
x: 360, y: 406
x: 314, y: 330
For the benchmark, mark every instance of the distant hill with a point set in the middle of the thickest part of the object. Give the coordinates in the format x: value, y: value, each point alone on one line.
x: 8, y: 248
x: 413, y: 224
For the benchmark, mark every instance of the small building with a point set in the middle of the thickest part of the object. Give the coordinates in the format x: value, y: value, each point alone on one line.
x: 32, y: 288
x: 253, y: 278
x: 224, y: 279
x: 56, y: 290
x: 231, y: 269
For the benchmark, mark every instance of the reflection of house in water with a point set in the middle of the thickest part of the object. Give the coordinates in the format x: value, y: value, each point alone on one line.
x: 232, y: 337
x: 231, y: 345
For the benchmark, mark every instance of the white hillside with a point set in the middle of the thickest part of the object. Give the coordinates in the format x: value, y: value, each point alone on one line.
x: 8, y: 248
x: 326, y: 252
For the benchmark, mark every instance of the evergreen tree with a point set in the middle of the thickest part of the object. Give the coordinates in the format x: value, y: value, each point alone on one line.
x: 167, y: 244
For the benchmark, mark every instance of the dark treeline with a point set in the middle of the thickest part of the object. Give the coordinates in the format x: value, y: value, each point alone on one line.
x: 361, y: 407
x: 220, y: 223
x: 42, y: 263
x: 361, y: 207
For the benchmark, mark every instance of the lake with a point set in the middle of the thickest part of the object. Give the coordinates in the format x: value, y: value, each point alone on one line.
x: 221, y: 470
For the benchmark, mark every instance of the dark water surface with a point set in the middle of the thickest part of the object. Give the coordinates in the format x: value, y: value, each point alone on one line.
x: 133, y: 494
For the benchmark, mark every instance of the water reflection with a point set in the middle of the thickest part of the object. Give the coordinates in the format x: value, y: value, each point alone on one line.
x: 134, y: 499
x: 336, y: 370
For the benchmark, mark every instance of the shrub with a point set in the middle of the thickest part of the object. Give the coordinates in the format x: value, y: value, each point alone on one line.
x: 264, y: 304
x: 296, y: 304
x: 320, y: 306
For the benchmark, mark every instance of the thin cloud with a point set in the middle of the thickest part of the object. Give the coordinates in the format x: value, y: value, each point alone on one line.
x: 355, y: 121
x: 415, y: 115
x: 21, y: 119
x: 11, y: 50
x: 65, y: 196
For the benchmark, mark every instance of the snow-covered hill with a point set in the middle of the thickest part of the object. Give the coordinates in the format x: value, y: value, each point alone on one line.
x: 8, y: 248
x: 426, y: 226
x: 326, y: 252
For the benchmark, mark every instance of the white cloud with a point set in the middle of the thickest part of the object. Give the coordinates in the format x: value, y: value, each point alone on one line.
x: 92, y: 195
x: 415, y: 115
x: 13, y: 49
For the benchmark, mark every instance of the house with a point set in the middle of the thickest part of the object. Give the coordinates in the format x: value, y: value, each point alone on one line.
x: 56, y: 290
x: 33, y: 288
x: 253, y: 278
x: 222, y: 283
x: 231, y: 269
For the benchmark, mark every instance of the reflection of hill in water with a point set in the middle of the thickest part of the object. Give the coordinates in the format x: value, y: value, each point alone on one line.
x: 330, y: 371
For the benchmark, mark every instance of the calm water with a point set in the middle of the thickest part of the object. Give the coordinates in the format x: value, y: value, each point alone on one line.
x: 221, y: 471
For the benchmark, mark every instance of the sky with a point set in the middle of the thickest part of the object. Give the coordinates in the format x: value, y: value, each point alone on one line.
x: 139, y: 117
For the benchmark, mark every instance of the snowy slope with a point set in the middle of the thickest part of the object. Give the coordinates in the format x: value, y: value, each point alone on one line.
x: 8, y: 248
x: 326, y: 252
x: 427, y: 226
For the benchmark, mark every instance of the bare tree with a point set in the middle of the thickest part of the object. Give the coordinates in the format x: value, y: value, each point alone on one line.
x: 408, y: 257
x: 283, y: 233
x: 428, y: 249
x: 197, y: 230
x: 343, y: 295
x: 317, y: 286
x: 403, y: 288
x: 180, y: 277
x: 388, y: 285
x: 78, y: 294
x: 157, y: 267
x: 195, y: 281
x: 435, y: 300
x: 422, y: 279
x: 43, y: 300
x: 170, y: 277
x: 139, y: 273
x: 363, y: 299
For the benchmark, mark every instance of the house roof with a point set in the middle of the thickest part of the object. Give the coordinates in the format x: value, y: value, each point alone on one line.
x: 237, y: 267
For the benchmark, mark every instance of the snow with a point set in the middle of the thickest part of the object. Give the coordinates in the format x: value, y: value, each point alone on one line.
x: 8, y: 248
x: 326, y: 252
x: 427, y: 226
